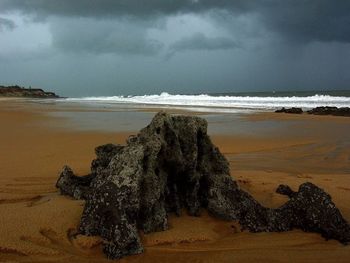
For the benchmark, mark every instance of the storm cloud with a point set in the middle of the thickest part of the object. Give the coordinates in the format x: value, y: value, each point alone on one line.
x: 199, y: 41
x: 133, y: 46
x: 306, y: 20
x: 103, y: 8
x: 6, y: 24
x: 103, y: 37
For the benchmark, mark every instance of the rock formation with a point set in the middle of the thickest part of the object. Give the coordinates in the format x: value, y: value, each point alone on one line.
x: 335, y: 111
x: 172, y: 164
x: 16, y: 91
x: 344, y: 111
x: 290, y: 110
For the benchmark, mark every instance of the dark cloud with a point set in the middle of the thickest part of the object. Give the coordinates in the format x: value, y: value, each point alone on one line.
x: 308, y: 20
x: 102, y: 47
x: 44, y: 53
x: 6, y: 24
x: 299, y: 20
x: 199, y: 41
x: 105, y: 8
x: 87, y: 35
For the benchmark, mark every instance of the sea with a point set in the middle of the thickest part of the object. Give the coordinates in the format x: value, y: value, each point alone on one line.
x: 225, y: 112
x: 223, y: 102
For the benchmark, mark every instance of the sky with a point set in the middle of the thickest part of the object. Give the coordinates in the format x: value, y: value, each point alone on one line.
x: 134, y: 47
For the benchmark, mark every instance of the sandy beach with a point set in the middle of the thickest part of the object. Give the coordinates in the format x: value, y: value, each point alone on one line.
x: 35, y: 221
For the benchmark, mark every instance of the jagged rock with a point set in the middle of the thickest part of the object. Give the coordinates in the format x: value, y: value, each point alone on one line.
x: 104, y: 154
x: 172, y: 164
x: 312, y: 210
x: 72, y: 185
x: 285, y: 190
x: 290, y: 110
x: 344, y: 111
x: 109, y: 213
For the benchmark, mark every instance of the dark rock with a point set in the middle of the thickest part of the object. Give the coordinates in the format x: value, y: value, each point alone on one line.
x: 17, y: 91
x: 312, y: 210
x: 172, y: 164
x: 74, y: 186
x: 104, y: 154
x: 344, y: 111
x: 109, y: 214
x: 285, y: 190
x: 290, y: 110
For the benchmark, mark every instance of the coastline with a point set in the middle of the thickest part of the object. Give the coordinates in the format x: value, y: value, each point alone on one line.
x: 36, y: 144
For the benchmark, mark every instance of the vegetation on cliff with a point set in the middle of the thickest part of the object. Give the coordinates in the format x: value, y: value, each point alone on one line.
x: 17, y: 91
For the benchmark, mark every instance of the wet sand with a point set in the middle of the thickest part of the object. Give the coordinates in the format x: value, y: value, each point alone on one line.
x: 35, y: 221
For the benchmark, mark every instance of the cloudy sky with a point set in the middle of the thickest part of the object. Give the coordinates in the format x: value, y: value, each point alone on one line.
x: 122, y: 47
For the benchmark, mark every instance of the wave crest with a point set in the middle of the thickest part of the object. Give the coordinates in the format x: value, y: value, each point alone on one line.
x: 205, y: 100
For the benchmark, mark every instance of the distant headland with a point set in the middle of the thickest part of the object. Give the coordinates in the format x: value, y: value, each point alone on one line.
x: 17, y: 91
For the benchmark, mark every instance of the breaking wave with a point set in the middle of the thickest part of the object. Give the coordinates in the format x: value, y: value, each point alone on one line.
x: 233, y: 102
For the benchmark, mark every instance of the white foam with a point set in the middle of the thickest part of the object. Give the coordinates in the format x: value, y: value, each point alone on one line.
x: 224, y: 102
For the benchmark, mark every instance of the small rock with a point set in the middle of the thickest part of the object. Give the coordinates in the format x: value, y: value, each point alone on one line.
x: 290, y: 110
x: 344, y: 111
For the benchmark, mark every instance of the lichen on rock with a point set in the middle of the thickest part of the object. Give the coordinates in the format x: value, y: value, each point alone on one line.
x: 170, y: 165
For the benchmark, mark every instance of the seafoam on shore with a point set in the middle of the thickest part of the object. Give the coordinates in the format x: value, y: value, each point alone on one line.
x: 220, y: 103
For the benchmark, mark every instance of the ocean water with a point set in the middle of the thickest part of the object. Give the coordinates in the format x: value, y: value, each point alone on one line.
x: 222, y: 102
x: 225, y: 113
x: 133, y: 121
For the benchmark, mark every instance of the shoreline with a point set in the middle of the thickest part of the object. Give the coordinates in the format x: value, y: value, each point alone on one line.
x: 35, y: 145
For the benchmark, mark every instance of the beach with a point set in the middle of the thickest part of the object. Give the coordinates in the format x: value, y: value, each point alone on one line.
x: 264, y: 150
